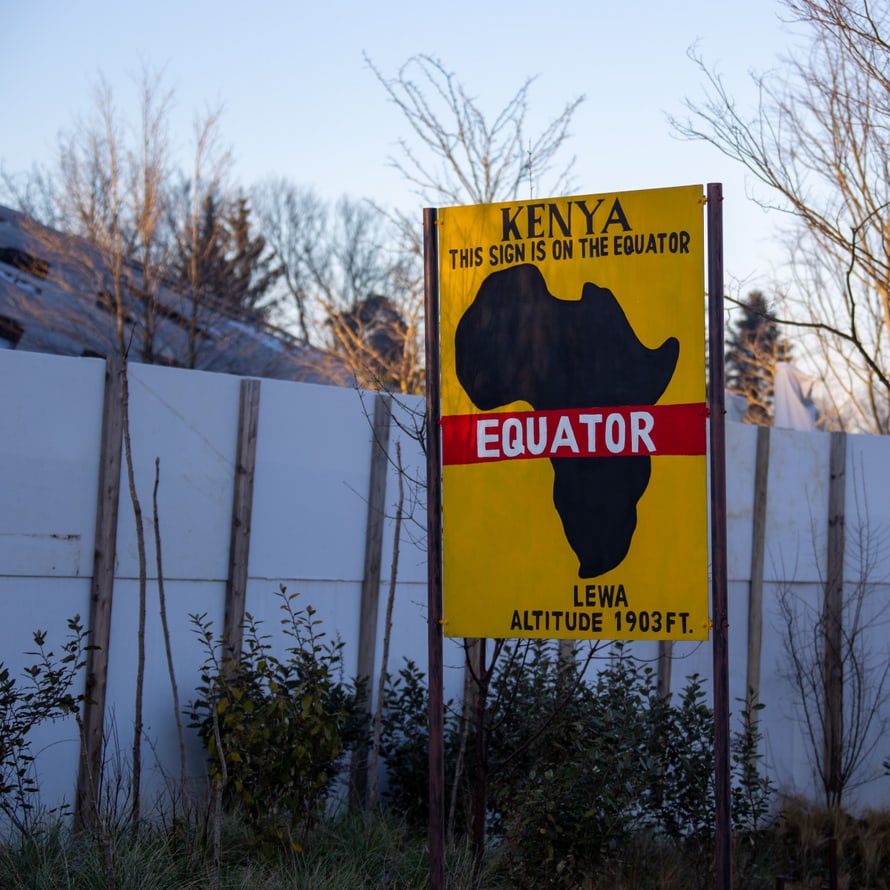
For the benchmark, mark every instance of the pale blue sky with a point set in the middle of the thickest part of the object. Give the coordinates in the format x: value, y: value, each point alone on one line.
x: 300, y: 102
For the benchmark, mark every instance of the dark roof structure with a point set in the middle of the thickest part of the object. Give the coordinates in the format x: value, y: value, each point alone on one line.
x: 52, y: 300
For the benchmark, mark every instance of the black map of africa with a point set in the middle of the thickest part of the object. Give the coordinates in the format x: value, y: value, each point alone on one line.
x: 516, y: 341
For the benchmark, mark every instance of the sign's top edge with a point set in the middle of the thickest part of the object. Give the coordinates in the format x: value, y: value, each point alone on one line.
x: 544, y: 199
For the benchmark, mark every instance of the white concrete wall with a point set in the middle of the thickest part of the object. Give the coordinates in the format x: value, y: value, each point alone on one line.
x: 308, y: 527
x: 308, y: 533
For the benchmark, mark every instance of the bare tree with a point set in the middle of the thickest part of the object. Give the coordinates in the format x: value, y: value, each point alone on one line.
x: 354, y: 271
x: 356, y: 293
x: 460, y: 156
x: 295, y: 223
x: 457, y: 154
x: 175, y: 257
x: 33, y: 193
x: 114, y: 200
x: 819, y: 142
x: 115, y: 195
x: 836, y: 661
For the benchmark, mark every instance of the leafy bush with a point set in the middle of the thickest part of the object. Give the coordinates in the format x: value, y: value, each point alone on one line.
x: 577, y: 790
x: 616, y: 763
x: 404, y: 745
x: 276, y: 728
x: 45, y: 696
x: 583, y: 772
x: 752, y: 800
x: 686, y: 807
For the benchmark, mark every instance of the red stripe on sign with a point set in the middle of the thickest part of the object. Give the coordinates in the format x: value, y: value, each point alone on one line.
x: 574, y: 432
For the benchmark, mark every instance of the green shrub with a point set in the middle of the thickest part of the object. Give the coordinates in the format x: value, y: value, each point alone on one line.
x: 686, y: 808
x: 404, y: 745
x: 583, y: 775
x: 578, y: 791
x: 44, y: 696
x: 276, y: 728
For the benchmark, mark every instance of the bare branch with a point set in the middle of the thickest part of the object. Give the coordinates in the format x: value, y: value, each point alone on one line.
x: 467, y: 158
x: 818, y: 141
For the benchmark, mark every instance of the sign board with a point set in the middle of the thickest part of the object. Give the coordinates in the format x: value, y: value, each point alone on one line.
x: 572, y: 362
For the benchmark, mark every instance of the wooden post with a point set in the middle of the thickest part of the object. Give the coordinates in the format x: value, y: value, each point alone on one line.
x: 833, y: 613
x: 242, y: 507
x: 480, y: 759
x: 472, y: 679
x: 367, y: 630
x: 565, y: 659
x: 755, y: 591
x: 665, y: 662
x: 101, y: 594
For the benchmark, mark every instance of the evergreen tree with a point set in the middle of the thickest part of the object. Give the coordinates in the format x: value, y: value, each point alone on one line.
x: 219, y: 268
x: 198, y: 268
x: 208, y: 252
x: 250, y: 269
x: 754, y: 346
x: 221, y: 261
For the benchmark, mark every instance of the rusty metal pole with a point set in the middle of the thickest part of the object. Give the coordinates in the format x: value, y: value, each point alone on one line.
x: 720, y: 631
x: 434, y: 555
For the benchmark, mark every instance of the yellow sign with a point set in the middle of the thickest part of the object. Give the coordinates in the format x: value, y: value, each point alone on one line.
x: 574, y: 479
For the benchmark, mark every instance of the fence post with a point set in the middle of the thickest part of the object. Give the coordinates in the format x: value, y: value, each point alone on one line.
x: 755, y: 591
x: 367, y: 630
x: 242, y: 508
x: 665, y: 662
x: 101, y: 592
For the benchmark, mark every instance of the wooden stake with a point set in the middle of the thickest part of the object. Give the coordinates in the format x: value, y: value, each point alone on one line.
x: 242, y: 508
x: 367, y: 629
x: 755, y: 593
x: 101, y: 594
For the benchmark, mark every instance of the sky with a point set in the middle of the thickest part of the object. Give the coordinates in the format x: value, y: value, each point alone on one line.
x: 299, y: 100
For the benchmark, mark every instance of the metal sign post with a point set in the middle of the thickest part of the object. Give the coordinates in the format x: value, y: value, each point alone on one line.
x: 434, y: 557
x: 716, y: 398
